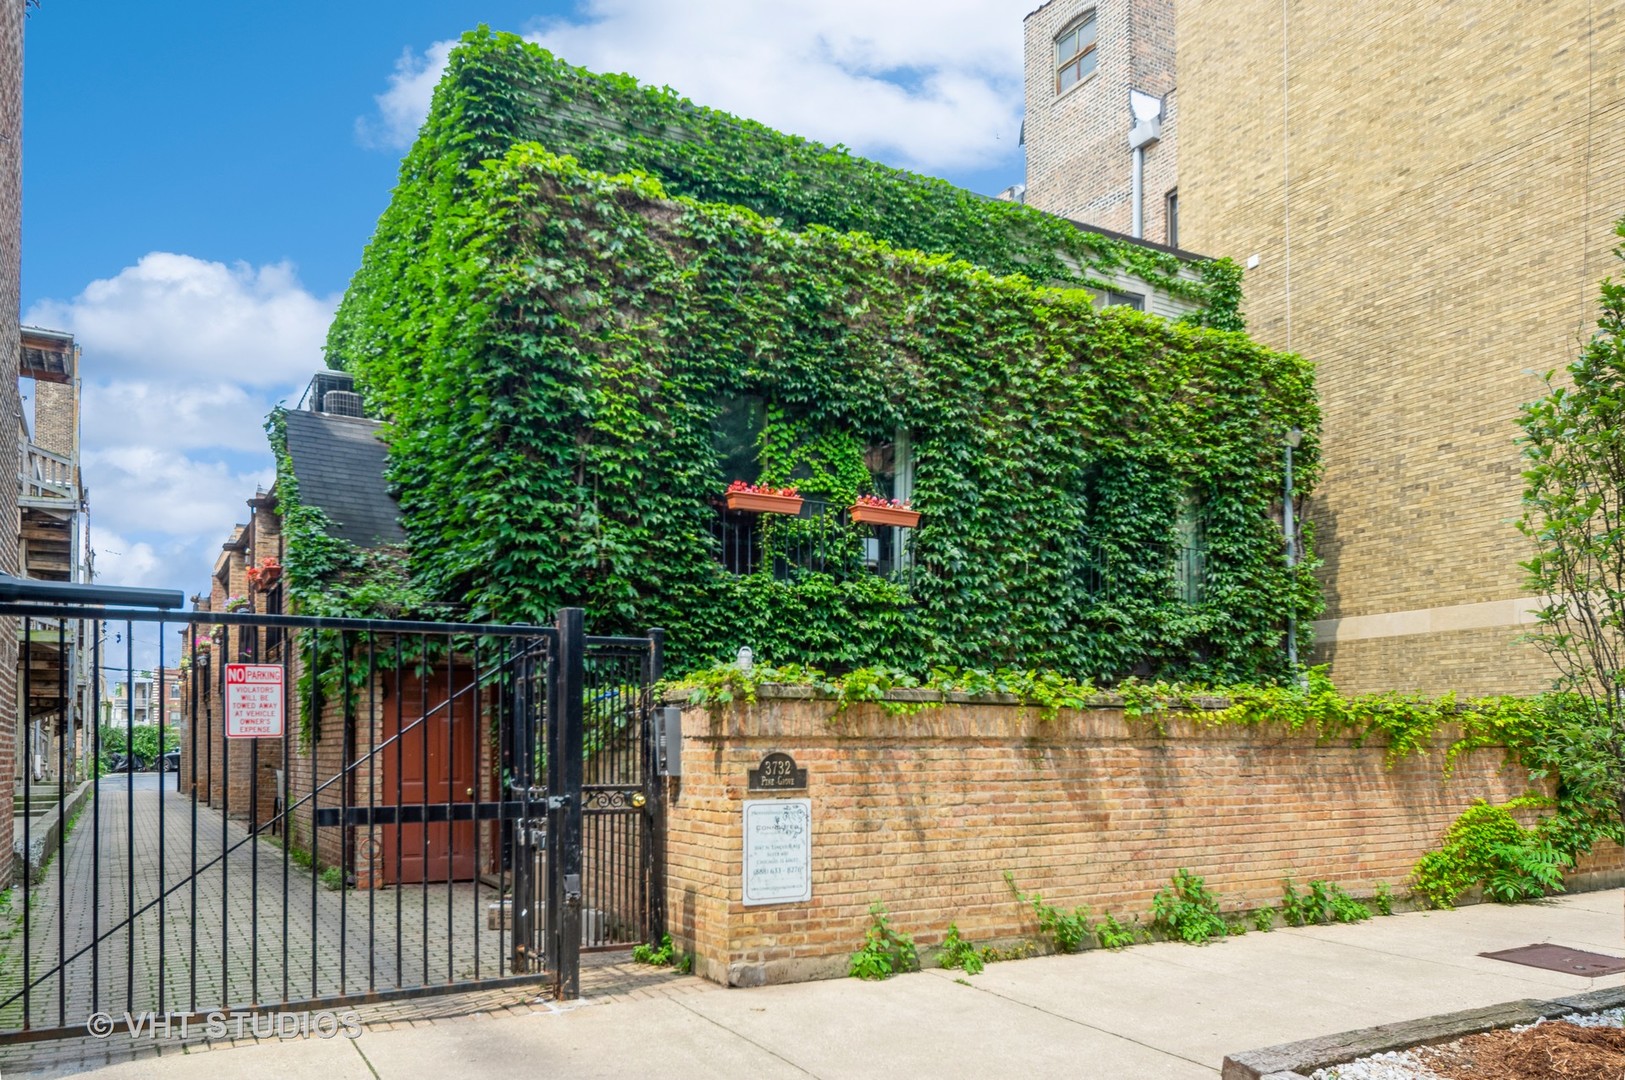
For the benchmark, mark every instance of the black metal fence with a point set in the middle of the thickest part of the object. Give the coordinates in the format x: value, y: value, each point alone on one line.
x: 343, y: 810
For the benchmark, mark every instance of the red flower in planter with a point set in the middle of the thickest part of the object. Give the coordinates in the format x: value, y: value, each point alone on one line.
x: 755, y: 498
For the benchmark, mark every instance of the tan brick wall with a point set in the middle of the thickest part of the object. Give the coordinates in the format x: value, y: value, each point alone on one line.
x: 925, y: 813
x: 1078, y: 160
x: 56, y: 417
x: 1474, y: 663
x: 1455, y: 172
x: 12, y: 21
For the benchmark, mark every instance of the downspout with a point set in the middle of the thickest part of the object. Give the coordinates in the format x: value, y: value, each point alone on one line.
x: 1145, y: 112
x: 1138, y: 230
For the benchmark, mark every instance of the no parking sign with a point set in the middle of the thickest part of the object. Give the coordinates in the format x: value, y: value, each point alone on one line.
x: 253, y: 701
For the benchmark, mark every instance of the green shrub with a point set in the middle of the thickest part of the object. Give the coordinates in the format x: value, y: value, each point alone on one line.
x: 1323, y: 904
x: 1486, y: 846
x: 1115, y: 935
x: 663, y: 955
x: 885, y: 952
x: 1068, y: 930
x: 1187, y: 911
x: 956, y: 952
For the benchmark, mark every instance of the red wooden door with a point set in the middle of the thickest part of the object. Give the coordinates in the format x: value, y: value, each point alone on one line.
x: 432, y: 764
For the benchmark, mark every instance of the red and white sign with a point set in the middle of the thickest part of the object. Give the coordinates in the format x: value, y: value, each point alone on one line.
x: 253, y: 701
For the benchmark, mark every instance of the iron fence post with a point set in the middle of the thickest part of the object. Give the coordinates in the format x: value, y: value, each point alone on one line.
x: 655, y: 837
x: 564, y: 772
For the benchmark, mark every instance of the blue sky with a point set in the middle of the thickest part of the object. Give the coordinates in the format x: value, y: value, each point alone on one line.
x: 200, y: 180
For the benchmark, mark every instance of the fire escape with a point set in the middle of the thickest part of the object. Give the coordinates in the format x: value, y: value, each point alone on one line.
x: 53, y: 678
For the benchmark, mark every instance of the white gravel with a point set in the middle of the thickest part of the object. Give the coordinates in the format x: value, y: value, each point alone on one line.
x: 1395, y: 1065
x: 1409, y: 1065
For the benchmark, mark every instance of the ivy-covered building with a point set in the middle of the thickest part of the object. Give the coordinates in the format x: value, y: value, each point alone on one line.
x: 592, y: 305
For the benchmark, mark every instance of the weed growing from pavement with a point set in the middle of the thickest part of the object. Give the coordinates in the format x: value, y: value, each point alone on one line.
x: 886, y: 951
x: 1068, y: 930
x: 1324, y: 903
x: 956, y: 952
x: 663, y: 955
x: 1187, y: 910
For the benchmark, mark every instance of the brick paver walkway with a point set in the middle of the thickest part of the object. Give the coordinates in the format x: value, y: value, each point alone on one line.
x: 605, y: 978
x: 217, y: 938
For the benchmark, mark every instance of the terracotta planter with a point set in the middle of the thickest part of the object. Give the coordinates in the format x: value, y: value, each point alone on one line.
x: 883, y: 515
x: 755, y: 502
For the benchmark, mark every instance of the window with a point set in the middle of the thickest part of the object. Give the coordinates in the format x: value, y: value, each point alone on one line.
x: 1113, y: 298
x: 175, y: 690
x: 1190, y: 552
x: 1172, y: 209
x: 1075, y: 53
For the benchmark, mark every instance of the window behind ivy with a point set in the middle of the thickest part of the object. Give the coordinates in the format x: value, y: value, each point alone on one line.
x: 1190, y: 552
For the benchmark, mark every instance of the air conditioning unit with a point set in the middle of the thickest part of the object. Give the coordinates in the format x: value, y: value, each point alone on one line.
x: 342, y: 403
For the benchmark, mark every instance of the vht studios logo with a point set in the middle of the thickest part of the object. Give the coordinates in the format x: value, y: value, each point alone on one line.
x: 235, y: 1024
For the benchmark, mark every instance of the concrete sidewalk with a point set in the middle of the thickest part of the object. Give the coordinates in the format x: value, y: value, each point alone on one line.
x: 1153, y: 1011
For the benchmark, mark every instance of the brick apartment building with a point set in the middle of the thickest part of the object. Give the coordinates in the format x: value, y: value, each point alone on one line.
x: 12, y: 19
x: 1424, y: 196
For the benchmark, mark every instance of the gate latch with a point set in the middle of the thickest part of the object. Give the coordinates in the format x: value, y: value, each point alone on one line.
x: 572, y: 889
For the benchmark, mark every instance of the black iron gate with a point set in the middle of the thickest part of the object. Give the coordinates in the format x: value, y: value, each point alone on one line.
x: 447, y: 806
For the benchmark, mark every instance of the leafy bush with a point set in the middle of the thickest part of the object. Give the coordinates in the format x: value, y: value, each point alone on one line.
x: 663, y: 955
x: 885, y: 952
x: 1187, y: 911
x: 1486, y: 846
x: 1115, y: 935
x: 956, y: 952
x: 1264, y: 919
x: 1323, y: 904
x: 116, y: 738
x: 1068, y: 930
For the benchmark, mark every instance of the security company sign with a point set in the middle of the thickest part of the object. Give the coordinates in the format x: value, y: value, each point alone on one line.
x: 253, y: 701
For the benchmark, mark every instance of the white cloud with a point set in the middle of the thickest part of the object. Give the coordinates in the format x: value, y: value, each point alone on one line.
x: 154, y: 491
x: 403, y: 106
x: 177, y: 316
x: 122, y: 561
x: 926, y: 85
x: 182, y: 360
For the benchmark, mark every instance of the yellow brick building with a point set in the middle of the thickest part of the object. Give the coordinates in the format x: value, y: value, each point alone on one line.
x: 1424, y: 195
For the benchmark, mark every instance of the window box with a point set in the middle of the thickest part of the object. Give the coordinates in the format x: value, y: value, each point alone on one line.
x: 754, y: 503
x: 869, y: 514
x: 762, y: 500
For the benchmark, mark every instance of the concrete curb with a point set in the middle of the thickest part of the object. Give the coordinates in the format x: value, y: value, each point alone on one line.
x: 43, y: 835
x: 1295, y: 1061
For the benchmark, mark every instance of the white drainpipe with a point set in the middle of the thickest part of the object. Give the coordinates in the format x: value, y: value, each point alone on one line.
x: 1147, y: 129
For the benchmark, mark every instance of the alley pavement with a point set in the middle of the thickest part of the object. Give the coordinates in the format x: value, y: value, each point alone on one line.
x: 1153, y: 1011
x: 218, y: 916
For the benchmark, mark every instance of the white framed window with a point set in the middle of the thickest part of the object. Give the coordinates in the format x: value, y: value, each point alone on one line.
x: 1075, y: 52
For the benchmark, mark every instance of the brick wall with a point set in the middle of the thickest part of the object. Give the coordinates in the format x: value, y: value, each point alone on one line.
x: 1448, y: 175
x: 925, y: 813
x: 56, y: 416
x: 1078, y: 160
x: 12, y: 19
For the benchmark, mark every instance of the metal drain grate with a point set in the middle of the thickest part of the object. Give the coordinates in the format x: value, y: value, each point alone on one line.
x: 1561, y: 958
